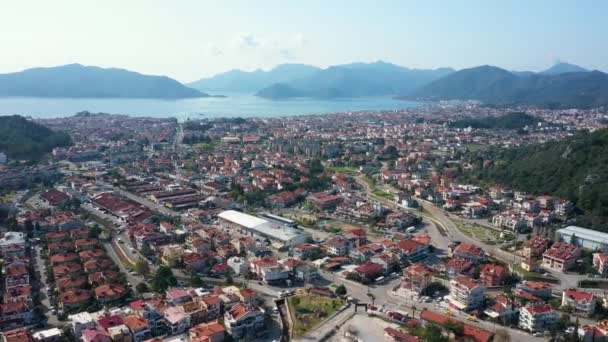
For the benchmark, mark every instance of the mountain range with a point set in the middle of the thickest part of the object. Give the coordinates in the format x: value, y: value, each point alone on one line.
x: 493, y: 85
x: 243, y: 81
x: 78, y: 81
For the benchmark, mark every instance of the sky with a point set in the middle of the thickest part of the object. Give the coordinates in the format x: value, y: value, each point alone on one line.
x: 191, y: 39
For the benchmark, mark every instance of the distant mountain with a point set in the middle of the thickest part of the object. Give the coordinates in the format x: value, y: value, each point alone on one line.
x: 355, y: 80
x: 75, y: 80
x: 498, y: 86
x: 24, y: 139
x: 245, y: 81
x: 562, y: 68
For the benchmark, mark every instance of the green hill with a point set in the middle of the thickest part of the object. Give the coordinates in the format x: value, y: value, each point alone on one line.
x: 515, y: 120
x: 575, y: 169
x: 24, y: 139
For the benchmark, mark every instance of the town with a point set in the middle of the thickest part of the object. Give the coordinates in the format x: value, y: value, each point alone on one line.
x: 295, y: 228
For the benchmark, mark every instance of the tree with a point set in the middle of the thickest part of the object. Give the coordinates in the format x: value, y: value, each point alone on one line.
x: 142, y: 267
x: 454, y: 326
x: 341, y: 290
x: 229, y: 280
x: 146, y: 250
x: 142, y: 288
x: 163, y: 279
x: 573, y: 239
x: 371, y: 297
x: 196, y: 281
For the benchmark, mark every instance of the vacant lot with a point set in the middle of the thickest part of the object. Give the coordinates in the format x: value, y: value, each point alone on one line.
x: 308, y: 311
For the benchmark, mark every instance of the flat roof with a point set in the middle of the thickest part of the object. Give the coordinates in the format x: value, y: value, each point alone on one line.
x: 273, y: 230
x: 584, y: 233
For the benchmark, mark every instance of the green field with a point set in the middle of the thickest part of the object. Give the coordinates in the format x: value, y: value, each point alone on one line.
x: 308, y: 311
x: 478, y: 232
x: 383, y: 194
x: 351, y: 170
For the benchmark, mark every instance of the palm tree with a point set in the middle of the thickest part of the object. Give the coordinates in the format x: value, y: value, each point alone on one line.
x: 413, y: 311
x: 371, y: 297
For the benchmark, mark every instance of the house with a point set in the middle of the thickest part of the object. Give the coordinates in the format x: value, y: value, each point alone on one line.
x: 73, y: 299
x: 139, y: 327
x: 176, y: 296
x: 268, y: 270
x: 16, y: 274
x: 80, y: 322
x: 466, y: 293
x: 561, y: 256
x: 416, y: 278
x: 110, y: 292
x: 410, y: 250
x: 306, y: 251
x: 213, y: 305
x: 600, y: 263
x: 398, y: 335
x: 16, y: 314
x: 388, y: 261
x: 456, y: 266
x: 537, y: 317
x: 54, y: 197
x: 176, y: 319
x: 369, y: 270
x: 582, y: 302
x: 242, y: 321
x: 95, y: 335
x: 535, y: 247
x: 337, y: 246
x: 503, y: 308
x: 48, y: 335
x: 492, y: 275
x: 469, y: 252
x: 537, y: 289
x: 207, y: 332
x: 469, y: 332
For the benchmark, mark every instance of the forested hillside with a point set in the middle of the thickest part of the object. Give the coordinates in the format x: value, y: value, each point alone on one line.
x: 575, y: 169
x: 24, y: 139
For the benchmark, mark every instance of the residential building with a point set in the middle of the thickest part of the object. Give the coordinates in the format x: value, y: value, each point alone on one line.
x: 582, y: 302
x: 177, y: 320
x: 466, y: 293
x: 537, y: 317
x: 492, y: 275
x: 469, y: 252
x: 243, y: 321
x: 561, y: 256
x: 416, y: 278
x: 207, y: 332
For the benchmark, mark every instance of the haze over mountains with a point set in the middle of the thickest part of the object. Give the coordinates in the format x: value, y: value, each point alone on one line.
x: 78, y: 81
x: 493, y: 85
x: 563, y: 85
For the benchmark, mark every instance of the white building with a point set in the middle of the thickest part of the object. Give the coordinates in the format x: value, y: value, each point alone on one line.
x: 242, y: 321
x: 582, y: 302
x: 466, y: 293
x: 238, y: 265
x: 585, y: 238
x: 273, y: 230
x: 538, y: 317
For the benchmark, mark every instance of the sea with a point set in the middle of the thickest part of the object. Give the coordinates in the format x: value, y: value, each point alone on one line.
x: 233, y: 105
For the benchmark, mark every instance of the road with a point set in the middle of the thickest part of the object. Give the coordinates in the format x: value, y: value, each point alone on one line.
x: 40, y: 271
x: 435, y: 215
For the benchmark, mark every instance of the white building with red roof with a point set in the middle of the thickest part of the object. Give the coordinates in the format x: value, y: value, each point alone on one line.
x: 469, y: 252
x: 243, y: 320
x: 561, y: 256
x: 537, y: 317
x: 583, y: 302
x: 466, y: 293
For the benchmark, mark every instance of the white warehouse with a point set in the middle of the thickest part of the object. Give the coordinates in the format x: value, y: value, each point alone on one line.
x: 274, y: 230
x: 585, y: 238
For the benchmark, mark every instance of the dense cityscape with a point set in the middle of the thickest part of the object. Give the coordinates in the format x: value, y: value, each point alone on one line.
x: 295, y: 228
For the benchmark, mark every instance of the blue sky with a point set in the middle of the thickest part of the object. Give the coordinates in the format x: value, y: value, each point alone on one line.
x: 189, y: 39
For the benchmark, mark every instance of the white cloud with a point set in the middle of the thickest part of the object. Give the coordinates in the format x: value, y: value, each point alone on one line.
x: 213, y: 50
x: 244, y: 41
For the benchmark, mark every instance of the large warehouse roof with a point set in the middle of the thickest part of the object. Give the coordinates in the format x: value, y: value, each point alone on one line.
x: 584, y: 233
x: 273, y: 230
